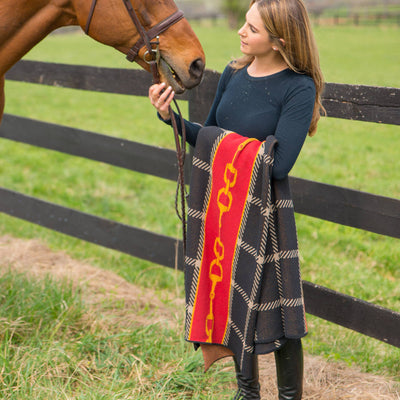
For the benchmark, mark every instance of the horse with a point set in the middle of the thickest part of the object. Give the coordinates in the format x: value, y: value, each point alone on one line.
x: 180, y: 57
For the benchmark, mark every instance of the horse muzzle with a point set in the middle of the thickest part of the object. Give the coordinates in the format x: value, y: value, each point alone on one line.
x: 181, y: 80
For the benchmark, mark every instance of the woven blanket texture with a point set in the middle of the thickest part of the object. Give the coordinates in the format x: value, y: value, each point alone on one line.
x: 242, y: 274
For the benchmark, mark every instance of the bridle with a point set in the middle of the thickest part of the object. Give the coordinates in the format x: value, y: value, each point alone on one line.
x: 152, y: 53
x: 152, y: 57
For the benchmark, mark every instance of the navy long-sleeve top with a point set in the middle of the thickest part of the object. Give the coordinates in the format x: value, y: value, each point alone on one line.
x: 281, y: 104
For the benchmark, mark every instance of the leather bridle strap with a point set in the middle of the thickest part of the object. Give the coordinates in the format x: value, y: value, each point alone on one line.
x: 181, y: 156
x: 90, y: 16
x: 146, y: 38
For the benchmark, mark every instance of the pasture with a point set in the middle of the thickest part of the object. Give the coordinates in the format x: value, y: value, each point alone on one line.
x: 352, y: 154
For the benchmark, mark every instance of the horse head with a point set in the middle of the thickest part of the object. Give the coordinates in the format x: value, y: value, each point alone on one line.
x: 24, y: 23
x: 181, y: 57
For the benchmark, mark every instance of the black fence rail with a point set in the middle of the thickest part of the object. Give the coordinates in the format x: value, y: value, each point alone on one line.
x: 328, y: 202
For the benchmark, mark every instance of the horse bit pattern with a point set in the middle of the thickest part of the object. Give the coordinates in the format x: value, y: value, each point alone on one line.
x: 224, y: 202
x: 152, y: 57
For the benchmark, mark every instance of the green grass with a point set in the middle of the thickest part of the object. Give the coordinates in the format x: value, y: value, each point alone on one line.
x: 54, y: 346
x: 346, y: 153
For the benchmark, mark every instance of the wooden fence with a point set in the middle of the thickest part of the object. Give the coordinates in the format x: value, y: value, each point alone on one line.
x: 357, y: 18
x: 332, y: 203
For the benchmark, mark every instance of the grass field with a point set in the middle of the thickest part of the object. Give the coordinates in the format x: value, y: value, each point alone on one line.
x: 346, y: 153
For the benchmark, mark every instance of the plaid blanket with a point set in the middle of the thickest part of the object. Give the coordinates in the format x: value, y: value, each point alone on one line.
x: 242, y: 275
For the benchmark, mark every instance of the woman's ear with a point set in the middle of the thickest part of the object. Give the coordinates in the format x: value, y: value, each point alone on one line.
x: 283, y: 42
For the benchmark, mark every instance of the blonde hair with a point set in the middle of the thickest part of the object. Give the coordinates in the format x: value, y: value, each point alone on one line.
x: 288, y: 20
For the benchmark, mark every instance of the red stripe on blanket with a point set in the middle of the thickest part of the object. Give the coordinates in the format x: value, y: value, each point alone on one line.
x: 232, y: 168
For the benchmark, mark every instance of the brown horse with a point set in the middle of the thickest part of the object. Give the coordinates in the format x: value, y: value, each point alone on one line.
x: 24, y: 23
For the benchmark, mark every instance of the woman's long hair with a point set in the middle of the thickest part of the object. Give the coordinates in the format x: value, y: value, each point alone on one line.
x: 288, y: 20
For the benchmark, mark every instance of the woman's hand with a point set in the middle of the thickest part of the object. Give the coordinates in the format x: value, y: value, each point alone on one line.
x: 161, y: 98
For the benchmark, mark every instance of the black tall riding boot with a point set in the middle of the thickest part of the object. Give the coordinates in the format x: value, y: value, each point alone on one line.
x: 248, y: 388
x: 289, y: 370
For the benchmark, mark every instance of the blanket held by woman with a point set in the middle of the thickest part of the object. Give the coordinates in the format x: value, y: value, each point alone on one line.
x: 242, y: 275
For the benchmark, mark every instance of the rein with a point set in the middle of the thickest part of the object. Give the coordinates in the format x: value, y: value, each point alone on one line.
x: 151, y: 57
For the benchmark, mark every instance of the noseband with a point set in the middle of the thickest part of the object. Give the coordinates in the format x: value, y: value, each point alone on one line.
x: 152, y: 55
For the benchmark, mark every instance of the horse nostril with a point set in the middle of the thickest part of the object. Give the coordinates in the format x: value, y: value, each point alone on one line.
x: 197, y: 68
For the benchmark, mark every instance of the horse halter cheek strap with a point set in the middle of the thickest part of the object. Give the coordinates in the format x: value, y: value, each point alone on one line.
x: 146, y: 38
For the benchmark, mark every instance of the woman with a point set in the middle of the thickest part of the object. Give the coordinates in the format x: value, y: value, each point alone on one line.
x: 274, y: 89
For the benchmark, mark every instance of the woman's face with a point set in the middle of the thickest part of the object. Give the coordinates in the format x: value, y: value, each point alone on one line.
x: 254, y: 38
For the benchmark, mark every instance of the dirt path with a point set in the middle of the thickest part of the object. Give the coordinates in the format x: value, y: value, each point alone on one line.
x: 323, y: 380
